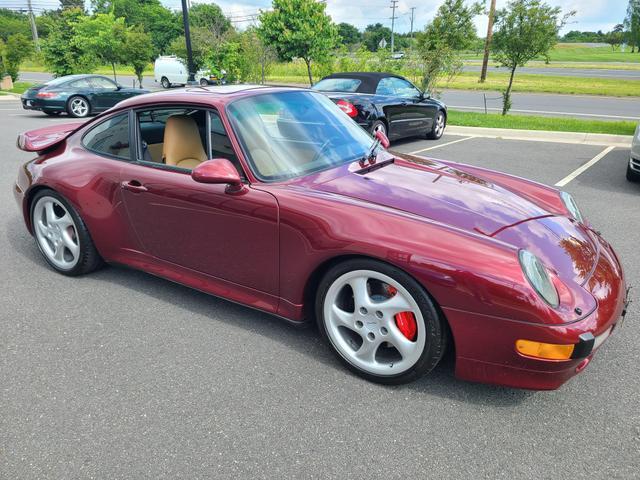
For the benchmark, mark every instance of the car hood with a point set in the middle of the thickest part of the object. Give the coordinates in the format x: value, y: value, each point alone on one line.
x: 450, y: 196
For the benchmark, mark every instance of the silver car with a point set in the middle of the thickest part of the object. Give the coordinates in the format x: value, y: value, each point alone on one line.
x: 633, y: 169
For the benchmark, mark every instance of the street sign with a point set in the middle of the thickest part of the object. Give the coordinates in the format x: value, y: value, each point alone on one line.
x: 382, y: 43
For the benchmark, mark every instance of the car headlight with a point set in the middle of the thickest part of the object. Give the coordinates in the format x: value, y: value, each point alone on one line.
x: 538, y: 277
x: 572, y: 206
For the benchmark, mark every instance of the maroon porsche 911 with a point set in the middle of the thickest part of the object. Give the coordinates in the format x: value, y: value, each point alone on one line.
x: 274, y: 198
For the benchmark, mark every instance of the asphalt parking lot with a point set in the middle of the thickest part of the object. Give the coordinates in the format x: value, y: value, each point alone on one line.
x: 120, y: 374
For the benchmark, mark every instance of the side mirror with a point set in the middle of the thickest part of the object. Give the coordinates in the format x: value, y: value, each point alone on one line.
x: 118, y: 87
x: 384, y: 140
x: 218, y: 171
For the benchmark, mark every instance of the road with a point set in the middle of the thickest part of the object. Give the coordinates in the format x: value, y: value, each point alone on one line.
x: 566, y: 72
x: 575, y: 106
x: 120, y: 374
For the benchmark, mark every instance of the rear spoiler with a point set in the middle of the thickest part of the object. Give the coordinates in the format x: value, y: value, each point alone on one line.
x: 45, y: 138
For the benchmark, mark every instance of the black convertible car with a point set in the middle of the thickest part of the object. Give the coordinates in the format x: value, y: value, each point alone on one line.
x: 387, y: 102
x: 77, y: 95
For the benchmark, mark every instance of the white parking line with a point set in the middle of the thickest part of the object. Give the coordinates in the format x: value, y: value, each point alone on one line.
x: 584, y: 167
x: 573, y: 114
x: 440, y: 145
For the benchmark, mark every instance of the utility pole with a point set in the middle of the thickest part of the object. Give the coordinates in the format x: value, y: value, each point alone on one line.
x: 413, y: 10
x: 191, y: 79
x: 487, y: 43
x: 394, y: 4
x: 34, y: 30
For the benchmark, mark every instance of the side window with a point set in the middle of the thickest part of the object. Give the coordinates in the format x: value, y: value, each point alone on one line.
x: 404, y: 89
x: 99, y: 82
x: 83, y: 83
x: 221, y: 144
x: 110, y: 137
x: 173, y: 136
x: 385, y: 87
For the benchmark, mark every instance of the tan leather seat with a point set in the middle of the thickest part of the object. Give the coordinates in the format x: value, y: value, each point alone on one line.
x: 182, y: 144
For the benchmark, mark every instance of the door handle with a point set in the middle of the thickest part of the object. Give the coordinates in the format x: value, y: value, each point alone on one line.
x: 134, y: 186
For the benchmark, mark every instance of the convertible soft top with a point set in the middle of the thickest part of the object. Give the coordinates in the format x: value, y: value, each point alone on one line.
x: 369, y: 79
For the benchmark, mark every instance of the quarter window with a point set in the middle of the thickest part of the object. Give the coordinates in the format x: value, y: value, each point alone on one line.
x: 110, y: 137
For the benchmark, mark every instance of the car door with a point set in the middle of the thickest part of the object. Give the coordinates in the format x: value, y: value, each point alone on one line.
x: 105, y: 93
x: 411, y: 115
x: 200, y: 226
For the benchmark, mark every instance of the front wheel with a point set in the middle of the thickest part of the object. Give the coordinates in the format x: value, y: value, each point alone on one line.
x: 379, y: 321
x: 78, y: 107
x: 439, y: 124
x: 61, y: 235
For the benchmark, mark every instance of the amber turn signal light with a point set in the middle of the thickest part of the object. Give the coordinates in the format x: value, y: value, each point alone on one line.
x: 547, y: 351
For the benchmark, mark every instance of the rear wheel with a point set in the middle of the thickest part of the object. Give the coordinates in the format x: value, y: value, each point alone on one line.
x: 378, y: 126
x: 78, y: 107
x: 165, y: 82
x: 632, y: 176
x: 61, y: 235
x: 379, y: 321
x: 204, y: 82
x: 439, y: 124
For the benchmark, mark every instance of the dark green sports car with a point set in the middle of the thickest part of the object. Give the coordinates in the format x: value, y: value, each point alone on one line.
x: 77, y: 95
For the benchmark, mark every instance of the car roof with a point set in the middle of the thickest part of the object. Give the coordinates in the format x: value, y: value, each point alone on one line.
x: 214, y: 95
x: 369, y: 80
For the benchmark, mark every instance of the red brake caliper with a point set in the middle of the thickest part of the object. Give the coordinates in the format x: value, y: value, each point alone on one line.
x: 405, y: 321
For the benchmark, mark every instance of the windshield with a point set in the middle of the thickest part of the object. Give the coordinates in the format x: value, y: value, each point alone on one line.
x: 337, y: 85
x: 290, y: 134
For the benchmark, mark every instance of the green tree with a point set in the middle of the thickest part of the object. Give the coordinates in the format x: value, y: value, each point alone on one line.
x: 12, y: 22
x: 256, y: 58
x: 17, y: 48
x: 159, y: 22
x: 525, y: 29
x: 138, y: 50
x: 374, y: 34
x: 615, y: 37
x: 65, y: 4
x: 632, y: 23
x: 103, y: 37
x: 209, y: 16
x: 439, y: 46
x: 202, y: 46
x: 299, y: 28
x: 349, y: 34
x: 62, y: 55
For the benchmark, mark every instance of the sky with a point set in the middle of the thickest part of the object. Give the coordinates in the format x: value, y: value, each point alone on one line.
x: 592, y: 15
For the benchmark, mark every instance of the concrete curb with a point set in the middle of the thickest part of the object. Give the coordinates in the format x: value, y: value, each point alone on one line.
x: 9, y: 96
x: 623, y: 141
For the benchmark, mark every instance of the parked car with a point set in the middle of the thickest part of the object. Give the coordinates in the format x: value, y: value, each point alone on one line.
x: 633, y: 167
x: 386, y: 102
x: 273, y: 198
x: 77, y: 95
x: 171, y: 70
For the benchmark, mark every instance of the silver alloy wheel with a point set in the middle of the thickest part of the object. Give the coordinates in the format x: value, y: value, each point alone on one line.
x: 56, y: 233
x: 79, y: 107
x: 439, y: 126
x: 365, y: 333
x: 380, y: 128
x: 165, y: 82
x: 204, y: 82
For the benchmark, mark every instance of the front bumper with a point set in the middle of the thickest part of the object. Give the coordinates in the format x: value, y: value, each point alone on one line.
x: 485, y: 345
x: 634, y: 164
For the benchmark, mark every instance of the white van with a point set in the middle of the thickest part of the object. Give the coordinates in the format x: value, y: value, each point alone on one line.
x: 171, y: 70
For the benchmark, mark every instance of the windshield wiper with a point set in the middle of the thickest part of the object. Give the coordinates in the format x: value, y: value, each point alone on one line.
x: 371, y: 153
x: 370, y: 158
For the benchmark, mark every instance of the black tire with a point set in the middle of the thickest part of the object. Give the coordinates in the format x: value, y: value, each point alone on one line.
x: 78, y: 112
x: 632, y: 176
x: 379, y: 125
x: 164, y: 81
x: 204, y: 82
x: 90, y: 259
x: 436, y: 328
x: 439, y: 125
x: 51, y: 113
